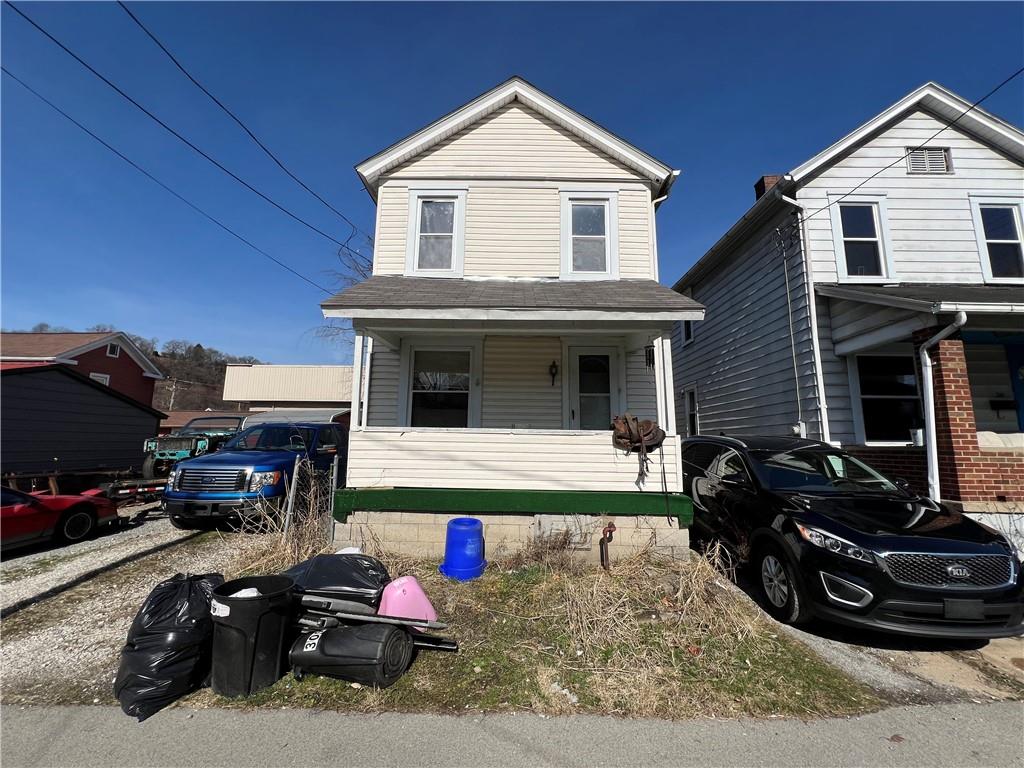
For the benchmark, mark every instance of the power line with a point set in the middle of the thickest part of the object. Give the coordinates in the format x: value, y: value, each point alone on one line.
x: 153, y: 178
x: 173, y: 132
x: 920, y: 146
x: 237, y: 120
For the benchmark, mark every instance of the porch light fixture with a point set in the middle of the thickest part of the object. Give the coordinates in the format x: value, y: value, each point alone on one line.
x: 553, y: 370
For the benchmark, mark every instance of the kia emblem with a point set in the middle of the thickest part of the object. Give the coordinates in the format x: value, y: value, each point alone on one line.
x: 958, y: 571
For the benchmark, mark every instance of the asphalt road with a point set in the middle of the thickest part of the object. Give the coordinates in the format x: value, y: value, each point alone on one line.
x: 958, y: 735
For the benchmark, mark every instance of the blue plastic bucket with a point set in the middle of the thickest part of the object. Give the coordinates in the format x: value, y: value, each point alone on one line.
x: 463, y: 549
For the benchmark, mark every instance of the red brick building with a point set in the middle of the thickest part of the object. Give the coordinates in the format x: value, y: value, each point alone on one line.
x: 109, y: 358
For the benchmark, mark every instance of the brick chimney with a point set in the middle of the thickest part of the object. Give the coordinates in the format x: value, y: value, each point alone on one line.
x: 765, y: 183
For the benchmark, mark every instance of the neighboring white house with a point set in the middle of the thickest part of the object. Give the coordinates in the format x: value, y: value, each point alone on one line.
x: 309, y: 392
x: 822, y: 296
x: 513, y: 310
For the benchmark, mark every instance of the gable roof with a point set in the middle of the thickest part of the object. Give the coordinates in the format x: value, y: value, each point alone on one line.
x: 65, y: 346
x: 23, y: 369
x: 515, y: 89
x: 931, y: 97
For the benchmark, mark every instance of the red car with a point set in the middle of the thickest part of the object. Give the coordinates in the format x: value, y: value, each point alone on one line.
x: 26, y: 519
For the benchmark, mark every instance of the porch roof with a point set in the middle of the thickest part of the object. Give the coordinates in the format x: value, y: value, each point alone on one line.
x: 933, y: 297
x: 396, y: 296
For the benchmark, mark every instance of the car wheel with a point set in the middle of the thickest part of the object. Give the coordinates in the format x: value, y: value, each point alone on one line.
x: 76, y: 524
x: 779, y: 586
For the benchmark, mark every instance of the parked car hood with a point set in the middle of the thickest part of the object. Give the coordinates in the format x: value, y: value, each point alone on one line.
x: 878, y: 514
x: 224, y: 458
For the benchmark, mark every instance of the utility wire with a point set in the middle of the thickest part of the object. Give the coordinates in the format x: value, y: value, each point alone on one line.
x: 920, y: 146
x: 237, y: 120
x: 153, y: 178
x: 173, y: 132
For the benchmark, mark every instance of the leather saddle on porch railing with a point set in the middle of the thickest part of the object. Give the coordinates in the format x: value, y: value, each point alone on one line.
x: 635, y: 435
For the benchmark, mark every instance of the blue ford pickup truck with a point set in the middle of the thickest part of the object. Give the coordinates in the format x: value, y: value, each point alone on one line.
x: 251, y: 467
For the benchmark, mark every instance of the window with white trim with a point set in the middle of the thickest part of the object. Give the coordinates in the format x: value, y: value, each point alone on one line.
x: 113, y: 350
x: 436, y: 233
x: 687, y: 331
x: 102, y: 378
x: 589, y: 235
x: 1001, y: 231
x: 928, y: 160
x: 890, y: 404
x: 690, y: 409
x: 440, y: 388
x: 861, y: 245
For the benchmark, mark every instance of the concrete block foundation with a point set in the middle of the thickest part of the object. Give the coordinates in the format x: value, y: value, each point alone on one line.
x: 422, y: 534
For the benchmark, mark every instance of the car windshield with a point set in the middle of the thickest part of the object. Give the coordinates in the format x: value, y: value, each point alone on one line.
x: 272, y: 437
x: 818, y: 471
x: 208, y: 424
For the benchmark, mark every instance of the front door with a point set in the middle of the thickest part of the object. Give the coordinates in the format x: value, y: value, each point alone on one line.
x: 593, y: 387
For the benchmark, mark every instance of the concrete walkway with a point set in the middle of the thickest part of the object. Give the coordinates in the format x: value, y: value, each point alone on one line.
x: 958, y: 735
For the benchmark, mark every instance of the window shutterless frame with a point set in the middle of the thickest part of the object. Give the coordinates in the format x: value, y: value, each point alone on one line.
x: 590, y: 240
x: 882, y: 238
x: 857, y: 398
x: 113, y: 350
x: 1015, y: 204
x: 409, y: 347
x: 101, y: 378
x: 417, y: 233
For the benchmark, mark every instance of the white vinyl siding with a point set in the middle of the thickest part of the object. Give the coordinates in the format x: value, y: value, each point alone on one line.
x: 517, y: 388
x: 928, y: 215
x: 740, y: 359
x: 382, y: 398
x: 507, y: 459
x: 515, y: 141
x: 513, y: 230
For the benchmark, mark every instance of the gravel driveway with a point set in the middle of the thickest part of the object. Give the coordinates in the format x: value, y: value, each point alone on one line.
x: 29, y: 572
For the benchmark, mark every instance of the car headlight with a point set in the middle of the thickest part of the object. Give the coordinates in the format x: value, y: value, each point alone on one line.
x: 260, y: 480
x: 834, y: 544
x: 170, y: 479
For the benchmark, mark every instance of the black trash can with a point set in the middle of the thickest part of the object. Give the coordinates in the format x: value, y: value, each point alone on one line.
x: 249, y: 634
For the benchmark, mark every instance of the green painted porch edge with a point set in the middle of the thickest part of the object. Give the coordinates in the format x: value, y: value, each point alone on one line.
x: 487, y: 501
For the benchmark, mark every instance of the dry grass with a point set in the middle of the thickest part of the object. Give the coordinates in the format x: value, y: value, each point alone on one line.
x: 544, y: 632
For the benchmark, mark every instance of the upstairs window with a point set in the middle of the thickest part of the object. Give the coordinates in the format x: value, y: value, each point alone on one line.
x: 687, y: 331
x: 101, y: 378
x: 113, y: 350
x: 861, y: 238
x: 1001, y: 230
x: 589, y: 242
x: 436, y: 231
x: 928, y: 160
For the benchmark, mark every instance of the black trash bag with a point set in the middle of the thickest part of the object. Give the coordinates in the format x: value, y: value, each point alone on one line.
x: 169, y: 646
x: 348, y: 577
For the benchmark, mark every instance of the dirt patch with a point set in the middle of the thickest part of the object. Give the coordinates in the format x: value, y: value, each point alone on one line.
x: 66, y: 649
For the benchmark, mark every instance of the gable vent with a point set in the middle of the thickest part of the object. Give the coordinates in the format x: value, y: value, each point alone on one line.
x: 928, y: 160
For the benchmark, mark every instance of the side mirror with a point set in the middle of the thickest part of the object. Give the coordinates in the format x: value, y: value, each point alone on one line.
x: 902, y: 483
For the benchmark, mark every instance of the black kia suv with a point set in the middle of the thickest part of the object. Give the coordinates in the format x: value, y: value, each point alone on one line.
x: 826, y: 535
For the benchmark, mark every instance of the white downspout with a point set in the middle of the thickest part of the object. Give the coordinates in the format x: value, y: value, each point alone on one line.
x: 931, y: 449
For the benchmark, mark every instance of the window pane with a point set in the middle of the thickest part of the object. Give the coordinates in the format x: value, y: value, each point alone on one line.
x: 441, y: 371
x: 858, y: 220
x: 437, y: 216
x: 595, y: 412
x: 440, y: 409
x: 587, y: 219
x: 1006, y: 260
x: 588, y: 255
x: 999, y: 224
x: 890, y: 419
x: 595, y: 374
x: 862, y: 258
x: 887, y: 375
x: 435, y: 252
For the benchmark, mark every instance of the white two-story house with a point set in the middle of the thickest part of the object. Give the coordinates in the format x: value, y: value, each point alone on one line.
x: 873, y: 298
x: 514, y: 309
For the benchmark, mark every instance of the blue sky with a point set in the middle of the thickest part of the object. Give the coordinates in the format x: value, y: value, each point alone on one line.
x: 726, y: 92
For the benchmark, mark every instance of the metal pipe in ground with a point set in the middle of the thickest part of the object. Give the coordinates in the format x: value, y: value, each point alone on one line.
x: 607, y: 534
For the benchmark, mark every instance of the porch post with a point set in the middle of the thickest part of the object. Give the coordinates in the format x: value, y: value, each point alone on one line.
x: 357, y: 381
x: 366, y: 382
x: 669, y: 424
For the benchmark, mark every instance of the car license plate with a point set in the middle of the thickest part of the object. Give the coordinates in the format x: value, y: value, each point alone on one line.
x: 964, y: 609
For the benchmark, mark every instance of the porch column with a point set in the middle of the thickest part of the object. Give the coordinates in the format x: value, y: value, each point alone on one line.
x: 668, y: 419
x: 357, y: 381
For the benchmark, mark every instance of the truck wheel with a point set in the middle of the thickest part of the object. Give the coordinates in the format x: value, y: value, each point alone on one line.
x: 183, y: 523
x: 75, y: 524
x: 149, y: 468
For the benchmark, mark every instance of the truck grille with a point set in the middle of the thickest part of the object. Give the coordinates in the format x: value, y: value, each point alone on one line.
x: 921, y: 570
x: 174, y: 444
x: 211, y: 480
